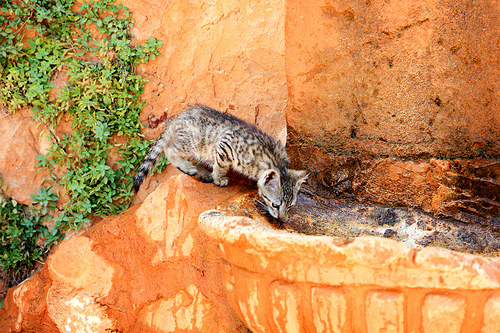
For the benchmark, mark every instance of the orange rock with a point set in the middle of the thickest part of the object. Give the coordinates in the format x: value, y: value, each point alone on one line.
x: 466, y: 190
x: 229, y: 55
x: 149, y: 269
x: 20, y: 143
x: 406, y: 78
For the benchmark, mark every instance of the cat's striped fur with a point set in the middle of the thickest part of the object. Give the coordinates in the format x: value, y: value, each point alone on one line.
x: 204, y: 136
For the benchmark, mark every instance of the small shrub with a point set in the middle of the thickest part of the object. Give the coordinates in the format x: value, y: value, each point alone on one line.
x: 91, y: 43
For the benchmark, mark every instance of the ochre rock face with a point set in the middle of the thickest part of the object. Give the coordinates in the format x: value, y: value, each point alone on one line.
x: 374, y: 78
x: 465, y: 190
x: 404, y: 78
x: 229, y: 55
x: 20, y: 143
x: 149, y: 269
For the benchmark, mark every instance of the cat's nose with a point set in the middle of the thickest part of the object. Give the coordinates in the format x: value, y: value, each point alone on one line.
x: 282, y: 216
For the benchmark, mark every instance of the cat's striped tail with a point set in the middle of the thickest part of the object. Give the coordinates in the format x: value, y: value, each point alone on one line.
x: 149, y: 162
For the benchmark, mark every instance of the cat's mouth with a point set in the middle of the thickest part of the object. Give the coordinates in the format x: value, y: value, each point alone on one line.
x: 264, y: 210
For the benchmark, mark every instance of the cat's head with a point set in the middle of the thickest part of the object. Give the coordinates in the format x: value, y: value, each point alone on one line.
x: 279, y: 190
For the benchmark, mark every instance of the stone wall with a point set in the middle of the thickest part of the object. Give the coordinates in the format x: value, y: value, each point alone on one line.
x: 228, y: 55
x: 369, y: 78
x: 401, y: 78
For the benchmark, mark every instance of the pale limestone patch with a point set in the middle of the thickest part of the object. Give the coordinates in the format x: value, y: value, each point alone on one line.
x: 286, y: 312
x: 84, y: 315
x: 491, y: 315
x: 187, y: 310
x: 167, y: 227
x: 187, y: 246
x: 329, y: 309
x: 385, y: 311
x: 151, y: 216
x: 443, y: 314
x: 80, y: 277
x: 250, y: 309
x: 75, y: 265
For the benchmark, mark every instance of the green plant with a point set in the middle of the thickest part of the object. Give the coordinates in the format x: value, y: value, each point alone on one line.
x: 91, y: 45
x: 45, y: 199
x: 23, y: 237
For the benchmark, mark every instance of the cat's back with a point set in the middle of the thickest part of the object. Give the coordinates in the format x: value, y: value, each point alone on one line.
x: 206, y: 117
x: 202, y: 120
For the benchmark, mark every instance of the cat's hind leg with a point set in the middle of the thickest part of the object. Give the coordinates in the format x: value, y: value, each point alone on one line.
x: 175, y: 157
x: 191, y: 168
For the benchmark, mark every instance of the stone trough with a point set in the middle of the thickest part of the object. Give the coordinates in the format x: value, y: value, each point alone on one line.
x: 280, y: 281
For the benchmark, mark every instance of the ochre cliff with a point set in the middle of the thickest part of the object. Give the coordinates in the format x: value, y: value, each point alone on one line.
x: 149, y: 269
x: 402, y: 78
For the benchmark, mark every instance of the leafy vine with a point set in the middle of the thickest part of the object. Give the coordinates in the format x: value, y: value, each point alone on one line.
x: 91, y: 44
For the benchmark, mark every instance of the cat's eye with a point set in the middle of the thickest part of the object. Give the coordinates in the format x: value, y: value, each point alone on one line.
x: 275, y: 206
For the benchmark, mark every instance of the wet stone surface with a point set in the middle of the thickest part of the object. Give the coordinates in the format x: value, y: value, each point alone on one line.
x: 347, y: 218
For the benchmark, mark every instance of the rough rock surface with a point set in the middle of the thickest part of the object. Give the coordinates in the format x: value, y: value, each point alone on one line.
x: 467, y: 190
x: 404, y: 78
x: 149, y: 269
x: 228, y: 55
x: 20, y: 142
x: 284, y: 282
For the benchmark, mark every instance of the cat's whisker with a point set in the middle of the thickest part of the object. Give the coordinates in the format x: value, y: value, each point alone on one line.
x: 261, y: 205
x: 262, y: 208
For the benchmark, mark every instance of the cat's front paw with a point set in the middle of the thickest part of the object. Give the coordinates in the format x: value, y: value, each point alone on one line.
x: 190, y: 170
x: 205, y: 177
x: 221, y: 181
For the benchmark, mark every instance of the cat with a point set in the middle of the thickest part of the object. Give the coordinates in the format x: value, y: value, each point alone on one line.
x: 205, y: 136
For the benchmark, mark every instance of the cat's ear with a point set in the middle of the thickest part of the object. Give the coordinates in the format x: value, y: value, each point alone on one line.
x: 299, y: 176
x: 270, y: 178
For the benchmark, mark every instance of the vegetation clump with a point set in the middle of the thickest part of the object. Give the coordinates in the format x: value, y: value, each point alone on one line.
x: 89, y: 42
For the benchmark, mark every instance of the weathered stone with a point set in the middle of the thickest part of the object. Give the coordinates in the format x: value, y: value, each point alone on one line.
x: 491, y: 314
x: 25, y: 307
x: 466, y: 190
x: 443, y: 314
x: 229, y: 55
x: 385, y: 311
x: 147, y: 270
x: 329, y: 308
x: 20, y: 143
x: 367, y: 284
x: 406, y: 78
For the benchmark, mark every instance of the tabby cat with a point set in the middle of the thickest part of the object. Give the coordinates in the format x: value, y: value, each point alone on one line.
x: 204, y: 136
